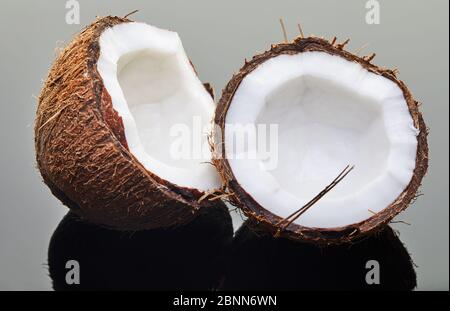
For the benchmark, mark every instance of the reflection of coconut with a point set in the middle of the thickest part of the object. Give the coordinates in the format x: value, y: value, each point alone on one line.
x: 103, y: 139
x: 187, y: 257
x: 259, y: 261
x: 333, y: 109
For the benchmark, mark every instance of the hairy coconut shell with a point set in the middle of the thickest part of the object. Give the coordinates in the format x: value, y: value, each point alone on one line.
x: 270, y: 222
x: 82, y: 152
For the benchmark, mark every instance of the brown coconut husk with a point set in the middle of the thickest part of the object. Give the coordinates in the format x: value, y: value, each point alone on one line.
x: 273, y: 223
x: 82, y: 153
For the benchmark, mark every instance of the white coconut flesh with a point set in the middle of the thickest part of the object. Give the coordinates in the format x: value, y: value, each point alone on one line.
x: 164, y: 107
x: 330, y: 113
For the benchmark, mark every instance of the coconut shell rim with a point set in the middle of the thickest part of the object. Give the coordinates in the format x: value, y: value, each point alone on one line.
x: 267, y: 220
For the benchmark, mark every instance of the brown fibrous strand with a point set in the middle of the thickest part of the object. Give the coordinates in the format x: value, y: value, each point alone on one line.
x: 294, y: 216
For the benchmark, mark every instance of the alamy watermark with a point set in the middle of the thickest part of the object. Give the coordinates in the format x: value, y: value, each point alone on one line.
x: 373, y: 12
x: 244, y: 141
x: 73, y: 12
x: 73, y: 273
x: 373, y: 275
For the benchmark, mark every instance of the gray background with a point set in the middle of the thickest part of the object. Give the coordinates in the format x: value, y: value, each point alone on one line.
x: 218, y: 35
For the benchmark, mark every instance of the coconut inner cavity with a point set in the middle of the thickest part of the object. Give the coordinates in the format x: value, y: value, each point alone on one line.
x: 163, y: 105
x: 326, y: 113
x: 322, y: 127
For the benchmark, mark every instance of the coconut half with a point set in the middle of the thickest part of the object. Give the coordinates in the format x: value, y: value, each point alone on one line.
x: 120, y: 104
x: 294, y: 117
